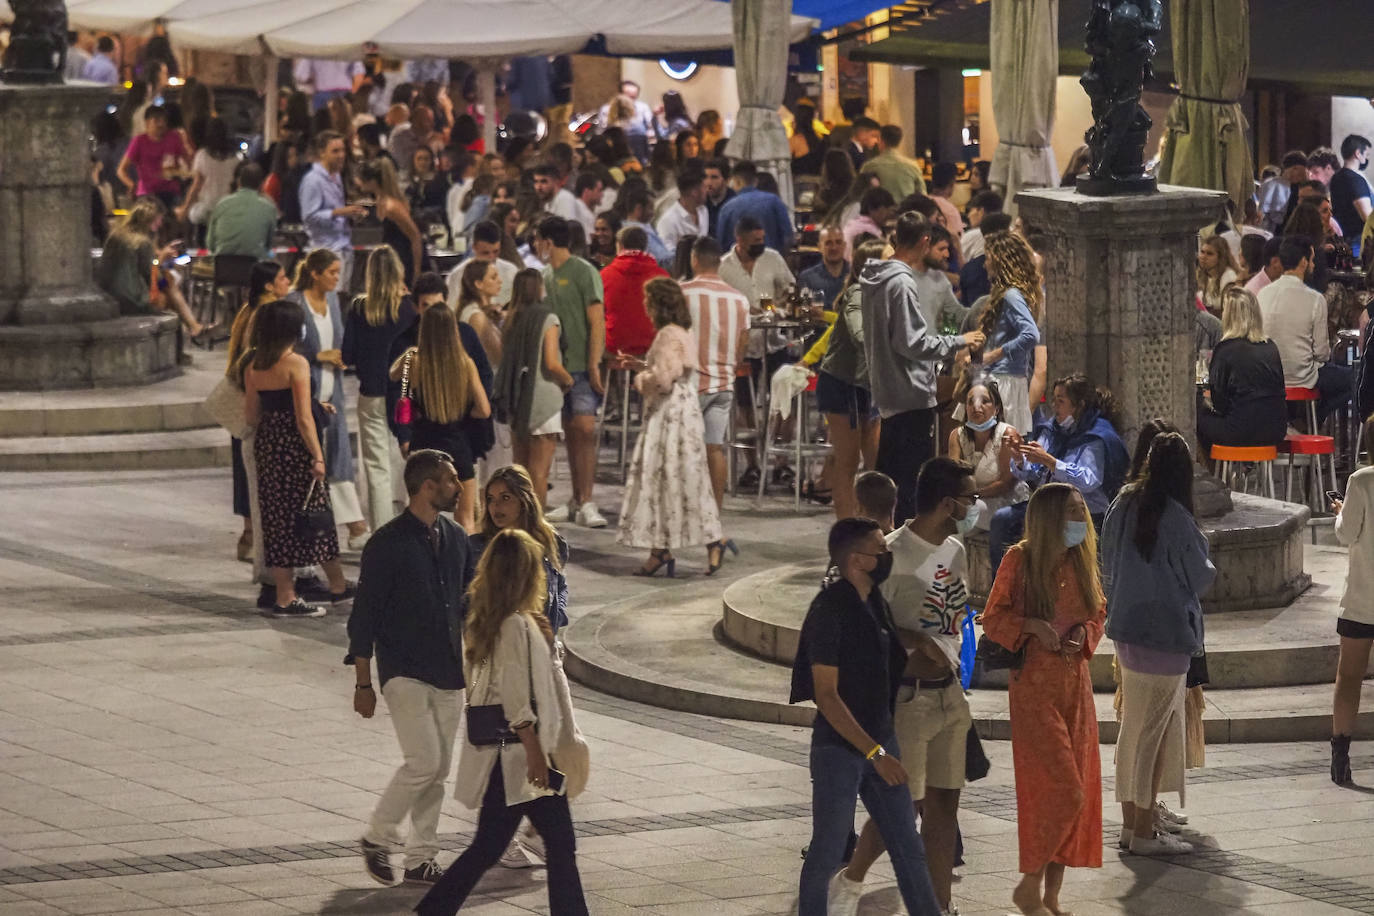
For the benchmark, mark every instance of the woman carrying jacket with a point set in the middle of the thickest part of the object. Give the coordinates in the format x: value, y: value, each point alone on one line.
x: 1155, y: 570
x: 510, y: 662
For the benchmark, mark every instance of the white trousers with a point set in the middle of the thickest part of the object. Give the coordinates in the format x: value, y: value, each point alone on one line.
x: 383, y: 468
x: 426, y: 723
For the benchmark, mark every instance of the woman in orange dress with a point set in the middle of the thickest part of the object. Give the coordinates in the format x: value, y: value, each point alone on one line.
x: 1048, y: 600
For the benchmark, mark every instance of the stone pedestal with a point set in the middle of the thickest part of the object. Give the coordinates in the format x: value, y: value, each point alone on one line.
x: 1120, y: 293
x: 57, y: 330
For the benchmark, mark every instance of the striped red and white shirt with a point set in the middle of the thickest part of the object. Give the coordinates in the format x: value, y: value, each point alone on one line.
x: 719, y: 313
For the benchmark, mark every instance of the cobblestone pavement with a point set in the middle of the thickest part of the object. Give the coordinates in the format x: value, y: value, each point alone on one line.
x: 165, y: 749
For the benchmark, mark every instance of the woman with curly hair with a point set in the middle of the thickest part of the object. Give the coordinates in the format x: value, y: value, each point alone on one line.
x: 1009, y: 322
x: 669, y: 501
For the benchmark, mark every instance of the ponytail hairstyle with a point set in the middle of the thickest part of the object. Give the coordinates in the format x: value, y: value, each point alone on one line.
x: 316, y: 262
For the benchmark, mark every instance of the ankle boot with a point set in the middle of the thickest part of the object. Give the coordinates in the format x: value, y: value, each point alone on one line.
x: 1340, y: 760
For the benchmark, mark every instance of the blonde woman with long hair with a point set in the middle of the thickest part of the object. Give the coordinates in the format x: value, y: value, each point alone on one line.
x: 1245, y: 405
x: 445, y: 391
x: 130, y: 263
x: 378, y: 179
x: 1016, y: 299
x: 374, y: 321
x: 1047, y: 602
x: 508, y: 655
x: 1216, y: 271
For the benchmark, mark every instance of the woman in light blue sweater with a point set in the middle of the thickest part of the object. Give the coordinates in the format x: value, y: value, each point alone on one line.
x: 1155, y: 569
x: 1009, y: 323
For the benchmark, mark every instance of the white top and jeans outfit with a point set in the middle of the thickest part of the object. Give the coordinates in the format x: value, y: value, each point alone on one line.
x: 1353, y: 530
x: 521, y: 677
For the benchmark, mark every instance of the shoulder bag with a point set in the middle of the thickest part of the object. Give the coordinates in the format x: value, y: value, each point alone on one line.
x: 402, y: 415
x: 487, y: 724
x: 224, y: 404
x: 314, y: 524
x: 997, y: 657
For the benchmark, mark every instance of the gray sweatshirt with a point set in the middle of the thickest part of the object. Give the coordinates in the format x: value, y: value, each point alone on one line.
x: 903, y: 356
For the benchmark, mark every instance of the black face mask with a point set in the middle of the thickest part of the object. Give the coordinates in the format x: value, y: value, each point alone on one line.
x: 883, y: 569
x: 1364, y: 165
x: 756, y: 251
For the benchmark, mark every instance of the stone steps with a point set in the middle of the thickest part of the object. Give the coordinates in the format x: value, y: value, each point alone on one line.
x: 671, y: 651
x: 187, y: 448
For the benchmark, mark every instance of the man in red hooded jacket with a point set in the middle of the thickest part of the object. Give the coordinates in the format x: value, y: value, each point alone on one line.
x: 628, y: 328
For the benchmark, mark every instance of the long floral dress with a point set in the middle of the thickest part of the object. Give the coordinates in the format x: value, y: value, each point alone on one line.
x: 668, y: 496
x: 1053, y: 724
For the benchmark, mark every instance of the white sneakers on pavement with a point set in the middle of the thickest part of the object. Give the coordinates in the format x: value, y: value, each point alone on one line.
x: 1161, y: 844
x: 1164, y: 811
x: 586, y: 515
x: 844, y: 895
x: 558, y: 514
x: 526, y: 849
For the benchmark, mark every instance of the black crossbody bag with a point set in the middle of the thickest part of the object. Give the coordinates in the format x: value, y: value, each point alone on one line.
x: 487, y: 724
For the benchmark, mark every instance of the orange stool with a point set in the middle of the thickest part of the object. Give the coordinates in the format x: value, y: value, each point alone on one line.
x: 1314, y: 447
x: 1227, y: 455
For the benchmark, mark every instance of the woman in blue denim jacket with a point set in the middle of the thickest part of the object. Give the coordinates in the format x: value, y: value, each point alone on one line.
x: 1155, y: 569
x: 1009, y: 323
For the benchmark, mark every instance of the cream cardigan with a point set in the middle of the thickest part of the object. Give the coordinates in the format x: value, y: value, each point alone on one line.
x: 1355, y: 529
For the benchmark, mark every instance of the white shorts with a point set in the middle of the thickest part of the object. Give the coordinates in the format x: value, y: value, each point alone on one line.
x: 550, y: 427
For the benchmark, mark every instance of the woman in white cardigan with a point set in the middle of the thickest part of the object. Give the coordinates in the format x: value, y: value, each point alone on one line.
x: 1354, y: 529
x: 509, y: 661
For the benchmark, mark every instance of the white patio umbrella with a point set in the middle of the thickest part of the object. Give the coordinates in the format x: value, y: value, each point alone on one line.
x: 761, y: 72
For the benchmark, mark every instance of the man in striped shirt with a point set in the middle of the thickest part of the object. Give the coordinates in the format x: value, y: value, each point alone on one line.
x: 720, y: 318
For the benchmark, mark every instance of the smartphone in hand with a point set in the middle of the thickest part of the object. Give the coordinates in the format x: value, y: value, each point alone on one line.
x: 557, y: 782
x: 1333, y: 496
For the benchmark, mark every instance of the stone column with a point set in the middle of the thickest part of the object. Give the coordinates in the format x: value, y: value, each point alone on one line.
x: 1119, y: 293
x: 57, y: 329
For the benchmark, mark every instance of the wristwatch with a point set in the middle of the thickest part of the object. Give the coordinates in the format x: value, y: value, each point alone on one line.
x: 879, y: 753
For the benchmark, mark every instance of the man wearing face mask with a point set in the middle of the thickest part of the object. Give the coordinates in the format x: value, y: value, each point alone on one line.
x: 850, y: 661
x: 929, y: 601
x: 1350, y: 198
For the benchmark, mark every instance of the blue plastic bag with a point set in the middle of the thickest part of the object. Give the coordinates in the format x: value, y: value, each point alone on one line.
x: 968, y: 650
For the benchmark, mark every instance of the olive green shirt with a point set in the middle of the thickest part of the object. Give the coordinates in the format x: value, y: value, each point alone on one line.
x: 242, y: 223
x: 125, y: 273
x: 896, y: 173
x: 569, y: 291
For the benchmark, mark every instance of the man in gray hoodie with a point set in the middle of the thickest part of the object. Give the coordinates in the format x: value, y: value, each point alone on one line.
x: 903, y: 358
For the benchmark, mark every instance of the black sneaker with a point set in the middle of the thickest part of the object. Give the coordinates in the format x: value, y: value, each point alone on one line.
x: 377, y: 863
x: 267, y: 597
x: 312, y: 589
x: 749, y: 479
x: 424, y: 873
x: 297, y: 608
x: 350, y: 589
x: 784, y: 476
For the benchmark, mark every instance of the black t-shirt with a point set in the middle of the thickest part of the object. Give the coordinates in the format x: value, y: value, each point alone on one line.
x: 859, y: 638
x: 1348, y: 186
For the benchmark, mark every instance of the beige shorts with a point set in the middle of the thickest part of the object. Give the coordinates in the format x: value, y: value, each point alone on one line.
x: 932, y: 730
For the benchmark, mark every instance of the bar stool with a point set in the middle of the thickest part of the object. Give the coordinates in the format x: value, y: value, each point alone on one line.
x: 1312, y: 450
x: 800, y: 447
x: 227, y: 283
x: 1313, y: 447
x: 738, y: 440
x: 620, y: 377
x: 1227, y: 455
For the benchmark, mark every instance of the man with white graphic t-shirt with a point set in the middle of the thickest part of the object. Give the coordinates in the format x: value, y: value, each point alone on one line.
x: 928, y: 598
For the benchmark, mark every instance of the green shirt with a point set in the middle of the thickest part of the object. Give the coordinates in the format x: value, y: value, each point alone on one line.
x: 569, y: 291
x: 896, y: 173
x: 125, y: 272
x: 242, y: 223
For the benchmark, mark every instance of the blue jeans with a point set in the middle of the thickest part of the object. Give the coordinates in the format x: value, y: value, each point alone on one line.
x: 838, y: 773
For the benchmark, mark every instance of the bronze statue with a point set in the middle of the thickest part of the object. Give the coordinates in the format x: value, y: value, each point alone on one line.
x: 1121, y: 41
x: 37, y: 52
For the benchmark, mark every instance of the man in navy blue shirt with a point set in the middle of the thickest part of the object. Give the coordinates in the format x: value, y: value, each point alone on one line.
x: 827, y: 277
x: 768, y: 209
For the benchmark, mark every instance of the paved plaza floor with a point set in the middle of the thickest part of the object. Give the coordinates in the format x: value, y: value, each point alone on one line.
x: 166, y: 749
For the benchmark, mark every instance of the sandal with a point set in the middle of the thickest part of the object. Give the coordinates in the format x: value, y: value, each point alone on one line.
x: 812, y: 493
x: 660, y: 559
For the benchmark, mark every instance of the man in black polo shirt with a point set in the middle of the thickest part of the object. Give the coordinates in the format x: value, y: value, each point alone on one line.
x: 849, y: 660
x: 415, y: 570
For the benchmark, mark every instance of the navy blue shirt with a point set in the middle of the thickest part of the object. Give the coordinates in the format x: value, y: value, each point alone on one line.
x: 409, y: 607
x: 366, y: 347
x: 825, y: 286
x: 767, y: 208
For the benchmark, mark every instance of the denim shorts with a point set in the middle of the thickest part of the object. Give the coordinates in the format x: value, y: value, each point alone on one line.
x: 581, y: 400
x: 715, y: 414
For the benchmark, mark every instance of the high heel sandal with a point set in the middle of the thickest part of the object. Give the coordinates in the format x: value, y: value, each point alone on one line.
x: 1340, y: 760
x: 719, y: 548
x: 661, y: 559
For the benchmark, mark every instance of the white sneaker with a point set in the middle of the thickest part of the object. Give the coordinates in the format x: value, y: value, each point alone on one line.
x: 1164, y: 825
x: 559, y: 513
x: 589, y: 517
x: 358, y: 541
x: 514, y: 856
x: 1124, y: 842
x: 1161, y: 844
x: 844, y: 895
x: 1169, y: 814
x: 533, y: 845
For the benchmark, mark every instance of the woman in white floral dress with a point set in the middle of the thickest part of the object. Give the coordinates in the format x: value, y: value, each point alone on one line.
x: 668, y: 496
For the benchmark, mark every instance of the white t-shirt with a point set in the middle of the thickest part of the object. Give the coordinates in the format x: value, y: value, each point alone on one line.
x: 926, y: 589
x: 218, y: 178
x: 324, y: 324
x: 770, y: 277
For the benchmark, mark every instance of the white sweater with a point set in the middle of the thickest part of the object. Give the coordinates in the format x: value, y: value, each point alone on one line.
x: 1355, y: 529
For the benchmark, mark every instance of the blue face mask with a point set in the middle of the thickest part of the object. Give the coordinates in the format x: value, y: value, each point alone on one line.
x: 983, y: 427
x: 965, y: 525
x: 1075, y: 533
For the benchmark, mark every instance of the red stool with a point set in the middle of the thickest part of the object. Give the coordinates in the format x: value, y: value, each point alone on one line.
x: 1313, y: 447
x: 1227, y: 455
x: 1309, y: 395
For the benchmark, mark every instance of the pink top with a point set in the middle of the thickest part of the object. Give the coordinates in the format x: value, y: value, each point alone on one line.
x: 672, y: 355
x: 953, y: 221
x: 150, y: 157
x: 719, y: 313
x: 1258, y: 282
